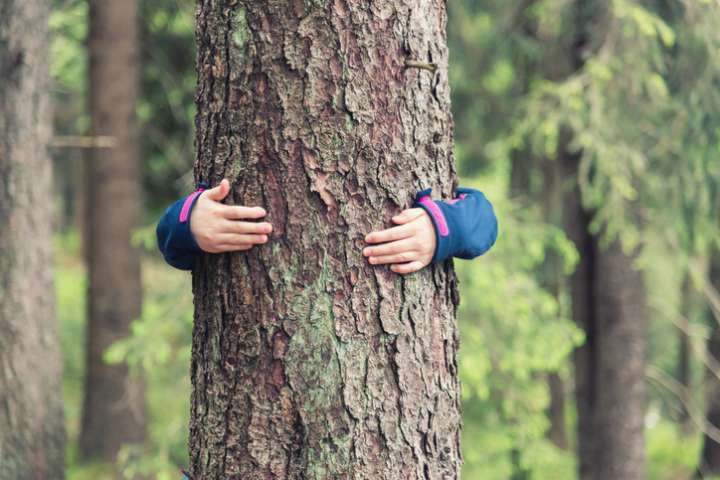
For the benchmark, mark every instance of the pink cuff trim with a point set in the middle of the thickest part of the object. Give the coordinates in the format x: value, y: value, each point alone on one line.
x: 455, y: 200
x: 186, y: 206
x: 437, y: 215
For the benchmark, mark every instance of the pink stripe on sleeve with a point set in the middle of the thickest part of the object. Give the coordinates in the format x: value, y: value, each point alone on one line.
x: 186, y: 206
x: 455, y: 200
x: 437, y: 215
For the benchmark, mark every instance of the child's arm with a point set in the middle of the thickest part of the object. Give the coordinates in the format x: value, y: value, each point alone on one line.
x: 434, y: 231
x: 199, y: 222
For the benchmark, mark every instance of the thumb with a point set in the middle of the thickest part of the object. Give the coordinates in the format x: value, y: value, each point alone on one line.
x: 220, y: 192
x: 407, y: 216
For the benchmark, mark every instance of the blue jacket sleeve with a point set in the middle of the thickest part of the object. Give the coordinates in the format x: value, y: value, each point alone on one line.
x: 465, y: 227
x: 175, y: 240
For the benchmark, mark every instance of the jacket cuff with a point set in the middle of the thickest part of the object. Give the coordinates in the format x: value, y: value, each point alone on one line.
x: 185, y: 236
x: 444, y: 245
x: 174, y: 236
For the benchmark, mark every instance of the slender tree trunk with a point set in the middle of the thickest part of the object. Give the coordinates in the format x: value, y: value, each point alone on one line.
x: 556, y: 411
x: 583, y: 311
x: 710, y: 458
x: 114, y: 411
x: 552, y: 278
x: 307, y: 362
x: 684, y: 373
x: 32, y: 434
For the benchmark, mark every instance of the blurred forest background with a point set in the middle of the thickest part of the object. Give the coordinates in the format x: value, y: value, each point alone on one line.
x: 640, y: 109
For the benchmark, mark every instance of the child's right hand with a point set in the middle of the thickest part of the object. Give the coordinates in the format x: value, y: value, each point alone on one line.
x: 220, y: 228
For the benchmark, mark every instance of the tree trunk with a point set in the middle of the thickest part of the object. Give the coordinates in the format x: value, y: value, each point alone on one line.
x: 710, y: 458
x: 307, y: 362
x: 552, y: 278
x: 684, y: 372
x: 583, y: 312
x: 114, y: 411
x: 32, y: 434
x: 608, y: 303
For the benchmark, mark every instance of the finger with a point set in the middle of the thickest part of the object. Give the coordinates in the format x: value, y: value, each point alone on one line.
x: 220, y: 192
x: 227, y: 247
x: 238, y: 239
x: 235, y: 226
x: 407, y: 215
x: 389, y: 235
x: 405, y: 268
x: 235, y: 212
x: 397, y: 258
x: 405, y: 245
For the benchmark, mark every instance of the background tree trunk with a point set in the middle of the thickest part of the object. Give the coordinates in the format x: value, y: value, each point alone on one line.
x: 710, y: 457
x: 684, y: 370
x: 552, y: 278
x: 32, y: 436
x: 608, y: 303
x: 113, y: 411
x: 307, y: 362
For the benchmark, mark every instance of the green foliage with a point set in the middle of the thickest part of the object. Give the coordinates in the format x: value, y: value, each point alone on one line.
x: 159, y: 347
x: 512, y: 332
x: 167, y: 108
x: 671, y: 454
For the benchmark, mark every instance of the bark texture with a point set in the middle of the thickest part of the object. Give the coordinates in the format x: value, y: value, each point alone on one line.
x: 307, y: 362
x: 113, y: 410
x: 32, y: 435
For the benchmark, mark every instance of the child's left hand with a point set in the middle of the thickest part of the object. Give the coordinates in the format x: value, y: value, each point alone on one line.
x: 409, y: 247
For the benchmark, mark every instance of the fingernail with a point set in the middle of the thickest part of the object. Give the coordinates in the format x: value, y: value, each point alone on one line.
x: 366, y: 252
x: 372, y: 260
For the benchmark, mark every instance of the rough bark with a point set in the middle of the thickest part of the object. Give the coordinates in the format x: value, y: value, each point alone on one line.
x: 307, y: 362
x: 113, y: 410
x: 32, y: 435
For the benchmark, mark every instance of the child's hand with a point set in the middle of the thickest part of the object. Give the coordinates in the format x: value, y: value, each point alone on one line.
x: 219, y: 228
x: 409, y: 247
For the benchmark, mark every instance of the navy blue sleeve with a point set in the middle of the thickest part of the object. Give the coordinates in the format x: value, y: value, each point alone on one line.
x: 465, y: 227
x: 175, y: 240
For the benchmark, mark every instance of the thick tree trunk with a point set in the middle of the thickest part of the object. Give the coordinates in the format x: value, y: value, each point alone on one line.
x: 32, y: 435
x: 307, y: 362
x: 113, y: 411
